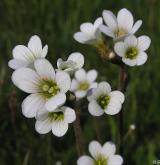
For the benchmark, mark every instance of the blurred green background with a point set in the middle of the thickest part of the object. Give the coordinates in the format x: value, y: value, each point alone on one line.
x: 55, y: 21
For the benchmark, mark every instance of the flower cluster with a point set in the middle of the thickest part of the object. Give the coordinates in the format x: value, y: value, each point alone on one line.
x: 46, y: 86
x: 122, y: 29
x: 49, y: 88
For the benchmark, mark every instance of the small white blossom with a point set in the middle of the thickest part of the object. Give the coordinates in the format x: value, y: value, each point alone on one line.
x: 25, y: 56
x: 56, y: 121
x: 102, y: 155
x: 132, y: 50
x: 74, y: 62
x: 58, y: 163
x: 46, y: 87
x: 120, y: 26
x: 90, y: 33
x: 83, y: 82
x: 132, y: 127
x: 103, y: 100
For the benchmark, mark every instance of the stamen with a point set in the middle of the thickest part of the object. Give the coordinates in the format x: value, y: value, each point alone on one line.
x: 103, y: 101
x: 131, y: 53
x: 57, y: 116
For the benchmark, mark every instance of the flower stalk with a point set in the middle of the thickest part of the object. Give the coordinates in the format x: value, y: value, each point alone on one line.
x: 78, y: 131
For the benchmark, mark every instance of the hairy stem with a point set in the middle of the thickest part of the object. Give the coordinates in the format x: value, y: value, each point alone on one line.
x: 123, y: 81
x: 78, y: 132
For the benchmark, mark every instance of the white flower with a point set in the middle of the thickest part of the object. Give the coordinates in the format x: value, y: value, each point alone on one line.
x: 119, y: 27
x: 83, y: 82
x: 74, y: 62
x: 90, y: 33
x: 132, y: 50
x: 102, y: 100
x: 132, y: 127
x: 47, y: 88
x: 102, y: 155
x: 56, y: 121
x: 58, y: 163
x: 25, y: 56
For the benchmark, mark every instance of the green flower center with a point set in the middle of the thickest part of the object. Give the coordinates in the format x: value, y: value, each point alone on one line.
x: 83, y: 86
x: 101, y: 161
x: 56, y: 116
x: 131, y: 53
x: 67, y: 65
x: 49, y: 88
x: 103, y: 101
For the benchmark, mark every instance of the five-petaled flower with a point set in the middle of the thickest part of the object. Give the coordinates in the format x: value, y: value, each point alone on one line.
x: 103, y: 100
x: 119, y: 27
x: 102, y: 155
x: 90, y: 33
x: 25, y: 56
x: 83, y: 82
x: 74, y: 62
x: 47, y: 88
x: 132, y: 50
x: 57, y: 121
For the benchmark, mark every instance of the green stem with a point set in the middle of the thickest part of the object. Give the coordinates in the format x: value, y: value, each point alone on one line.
x: 78, y: 132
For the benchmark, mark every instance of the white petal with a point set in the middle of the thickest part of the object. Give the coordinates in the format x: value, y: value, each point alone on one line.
x: 42, y: 114
x: 144, y: 43
x: 44, y: 126
x: 106, y: 30
x: 115, y: 160
x: 55, y: 101
x: 85, y: 160
x: 26, y: 79
x: 95, y: 149
x: 16, y: 64
x: 108, y: 149
x: 113, y: 107
x: 59, y: 61
x: 59, y: 128
x: 81, y: 37
x: 142, y: 58
x: 110, y: 19
x: 136, y: 26
x: 87, y: 28
x: 78, y: 58
x: 69, y: 114
x: 104, y: 87
x: 80, y: 94
x: 131, y: 41
x: 44, y: 51
x: 117, y: 95
x: 80, y: 75
x: 32, y: 104
x: 63, y: 81
x: 92, y: 75
x: 98, y: 22
x: 93, y: 85
x: 94, y: 109
x: 44, y: 69
x: 22, y: 53
x: 129, y: 61
x: 74, y: 85
x: 120, y: 48
x: 125, y: 19
x: 35, y: 46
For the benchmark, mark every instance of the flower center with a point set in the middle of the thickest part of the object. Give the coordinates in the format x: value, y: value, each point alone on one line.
x: 131, y: 53
x: 67, y: 65
x: 83, y: 86
x: 49, y: 88
x: 101, y: 161
x: 120, y: 32
x: 103, y: 101
x: 57, y: 116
